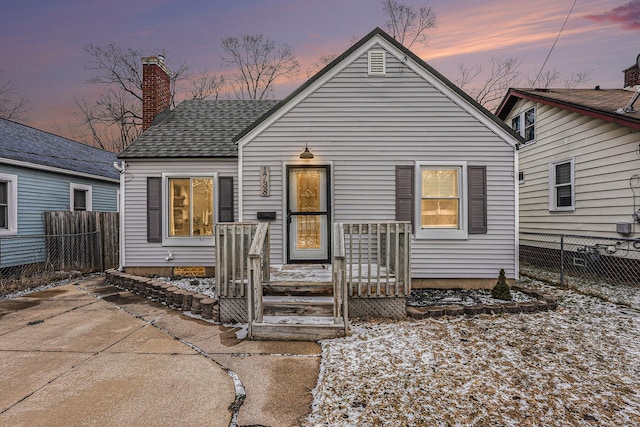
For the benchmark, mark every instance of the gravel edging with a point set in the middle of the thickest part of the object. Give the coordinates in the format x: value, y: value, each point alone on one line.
x: 542, y: 302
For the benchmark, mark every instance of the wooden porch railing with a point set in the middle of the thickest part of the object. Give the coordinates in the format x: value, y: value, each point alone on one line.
x: 233, y: 242
x: 378, y: 259
x: 339, y: 271
x: 258, y: 274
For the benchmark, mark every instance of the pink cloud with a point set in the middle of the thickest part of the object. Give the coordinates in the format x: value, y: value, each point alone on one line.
x: 627, y: 16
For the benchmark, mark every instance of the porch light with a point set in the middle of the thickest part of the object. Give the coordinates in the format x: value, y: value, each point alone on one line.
x: 306, y: 154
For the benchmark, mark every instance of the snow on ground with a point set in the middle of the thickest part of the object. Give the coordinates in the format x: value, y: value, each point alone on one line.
x: 205, y: 285
x: 579, y: 365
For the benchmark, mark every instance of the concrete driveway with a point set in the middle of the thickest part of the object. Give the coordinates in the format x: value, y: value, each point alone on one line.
x: 90, y: 354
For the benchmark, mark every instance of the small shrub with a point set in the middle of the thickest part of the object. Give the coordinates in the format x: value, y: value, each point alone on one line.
x: 501, y: 289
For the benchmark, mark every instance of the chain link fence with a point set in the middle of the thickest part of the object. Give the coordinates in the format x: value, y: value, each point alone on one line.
x: 29, y: 261
x: 608, y: 259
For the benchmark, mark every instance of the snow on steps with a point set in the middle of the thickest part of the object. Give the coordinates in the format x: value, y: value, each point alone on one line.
x: 297, y: 328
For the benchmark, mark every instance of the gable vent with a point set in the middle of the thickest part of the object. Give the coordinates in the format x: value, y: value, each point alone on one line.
x: 377, y: 63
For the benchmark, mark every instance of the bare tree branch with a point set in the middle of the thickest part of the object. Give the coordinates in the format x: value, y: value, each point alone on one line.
x: 205, y: 85
x: 260, y: 62
x: 406, y: 24
x: 114, y: 120
x: 544, y: 80
x: 12, y: 105
x: 505, y: 73
x: 577, y: 78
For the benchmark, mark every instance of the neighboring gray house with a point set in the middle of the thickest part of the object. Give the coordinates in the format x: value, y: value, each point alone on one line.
x: 579, y: 167
x: 377, y: 135
x: 42, y: 172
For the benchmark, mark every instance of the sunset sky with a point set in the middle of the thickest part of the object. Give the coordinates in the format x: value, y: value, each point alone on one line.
x: 41, y: 42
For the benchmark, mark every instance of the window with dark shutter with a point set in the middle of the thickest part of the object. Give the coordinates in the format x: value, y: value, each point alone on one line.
x: 154, y: 209
x: 404, y: 193
x: 477, y: 178
x: 225, y: 202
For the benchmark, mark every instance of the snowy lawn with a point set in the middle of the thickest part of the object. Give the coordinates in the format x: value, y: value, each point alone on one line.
x: 579, y: 365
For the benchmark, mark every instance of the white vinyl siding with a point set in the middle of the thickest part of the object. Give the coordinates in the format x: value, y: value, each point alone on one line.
x: 364, y: 127
x: 605, y: 160
x: 140, y: 253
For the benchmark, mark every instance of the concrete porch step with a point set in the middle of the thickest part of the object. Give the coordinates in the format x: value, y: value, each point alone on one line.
x: 298, y: 306
x: 297, y: 328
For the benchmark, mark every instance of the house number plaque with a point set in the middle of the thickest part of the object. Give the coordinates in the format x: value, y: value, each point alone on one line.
x: 264, y: 181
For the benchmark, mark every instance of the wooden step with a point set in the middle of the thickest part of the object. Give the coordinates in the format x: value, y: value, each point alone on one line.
x: 297, y: 328
x: 299, y: 288
x: 297, y: 306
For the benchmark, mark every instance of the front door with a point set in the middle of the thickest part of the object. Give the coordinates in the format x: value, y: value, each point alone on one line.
x: 308, y: 213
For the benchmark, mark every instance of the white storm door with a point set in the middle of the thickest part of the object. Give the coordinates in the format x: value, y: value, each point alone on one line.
x: 308, y: 214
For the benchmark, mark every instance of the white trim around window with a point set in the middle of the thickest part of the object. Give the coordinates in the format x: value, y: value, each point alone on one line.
x: 457, y: 195
x: 524, y: 123
x: 89, y: 195
x: 11, y: 206
x: 191, y: 240
x: 562, y: 190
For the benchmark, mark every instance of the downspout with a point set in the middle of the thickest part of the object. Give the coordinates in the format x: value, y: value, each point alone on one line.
x: 240, y: 198
x: 121, y: 169
x: 516, y: 183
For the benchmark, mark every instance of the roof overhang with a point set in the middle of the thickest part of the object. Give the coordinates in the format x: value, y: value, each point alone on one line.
x: 514, y: 95
x: 429, y: 74
x: 52, y: 169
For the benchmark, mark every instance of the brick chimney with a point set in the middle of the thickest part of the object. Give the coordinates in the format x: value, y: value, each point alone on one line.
x: 631, y: 76
x: 156, y: 89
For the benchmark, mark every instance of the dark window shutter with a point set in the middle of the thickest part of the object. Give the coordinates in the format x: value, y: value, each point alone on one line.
x: 404, y: 193
x: 225, y: 199
x: 477, y: 176
x: 154, y: 209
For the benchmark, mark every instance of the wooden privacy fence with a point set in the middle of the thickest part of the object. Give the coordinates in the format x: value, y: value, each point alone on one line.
x: 86, y: 241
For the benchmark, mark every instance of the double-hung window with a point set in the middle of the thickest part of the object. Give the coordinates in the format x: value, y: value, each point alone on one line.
x: 561, y: 186
x: 441, y: 207
x: 80, y: 197
x: 525, y: 124
x: 8, y: 204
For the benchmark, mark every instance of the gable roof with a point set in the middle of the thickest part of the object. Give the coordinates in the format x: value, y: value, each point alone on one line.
x: 30, y: 147
x: 405, y: 52
x: 198, y: 128
x: 598, y: 103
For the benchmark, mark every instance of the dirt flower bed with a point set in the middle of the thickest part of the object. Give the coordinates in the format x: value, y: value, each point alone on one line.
x: 578, y: 365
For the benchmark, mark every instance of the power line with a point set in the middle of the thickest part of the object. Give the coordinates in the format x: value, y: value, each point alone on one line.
x: 554, y: 43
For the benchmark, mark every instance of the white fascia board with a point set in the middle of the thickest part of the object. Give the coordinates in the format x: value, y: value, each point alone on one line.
x: 56, y: 170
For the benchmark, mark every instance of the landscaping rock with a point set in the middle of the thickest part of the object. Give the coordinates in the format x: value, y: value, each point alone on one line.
x: 196, y: 307
x: 453, y: 310
x: 417, y: 312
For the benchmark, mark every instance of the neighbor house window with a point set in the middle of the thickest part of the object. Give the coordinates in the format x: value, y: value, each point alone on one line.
x: 520, y: 177
x: 561, y: 186
x: 80, y: 197
x: 525, y: 124
x: 8, y: 204
x: 441, y: 205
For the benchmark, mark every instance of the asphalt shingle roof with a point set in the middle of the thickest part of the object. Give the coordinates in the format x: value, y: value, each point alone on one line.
x: 198, y: 128
x: 27, y: 144
x: 600, y: 103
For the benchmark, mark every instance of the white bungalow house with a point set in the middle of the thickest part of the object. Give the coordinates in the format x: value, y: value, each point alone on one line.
x: 376, y: 137
x: 579, y: 167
